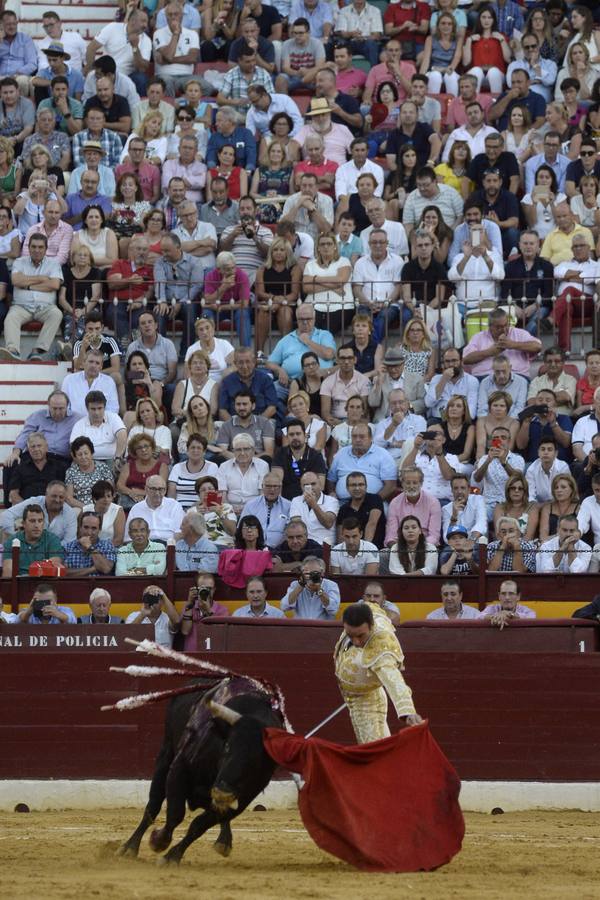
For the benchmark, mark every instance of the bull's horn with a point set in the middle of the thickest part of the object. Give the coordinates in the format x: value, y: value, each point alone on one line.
x: 223, y: 712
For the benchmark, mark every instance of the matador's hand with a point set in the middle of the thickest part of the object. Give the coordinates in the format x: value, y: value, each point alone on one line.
x: 413, y: 720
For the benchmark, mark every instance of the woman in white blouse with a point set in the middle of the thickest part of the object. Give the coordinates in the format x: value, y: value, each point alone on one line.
x: 218, y: 350
x: 326, y: 282
x: 411, y: 554
x: 540, y: 205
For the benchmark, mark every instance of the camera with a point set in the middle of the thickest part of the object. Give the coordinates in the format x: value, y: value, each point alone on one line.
x: 38, y: 607
x: 149, y: 598
x: 248, y: 226
x: 456, y: 370
x: 429, y: 435
x: 315, y: 577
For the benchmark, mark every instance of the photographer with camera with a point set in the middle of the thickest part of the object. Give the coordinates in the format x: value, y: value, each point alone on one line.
x: 249, y: 241
x: 157, y: 610
x: 200, y: 605
x: 312, y: 596
x: 43, y: 609
x: 540, y: 420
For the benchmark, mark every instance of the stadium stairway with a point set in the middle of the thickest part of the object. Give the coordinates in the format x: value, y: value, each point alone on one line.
x: 85, y: 16
x: 24, y: 388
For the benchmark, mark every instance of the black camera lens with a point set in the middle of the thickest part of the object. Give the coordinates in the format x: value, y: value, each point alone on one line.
x: 150, y: 599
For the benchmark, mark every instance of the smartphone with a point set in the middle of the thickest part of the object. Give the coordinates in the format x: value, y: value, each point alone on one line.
x: 136, y: 376
x: 475, y: 237
x: 214, y: 498
x: 429, y: 435
x: 543, y: 190
x: 496, y: 443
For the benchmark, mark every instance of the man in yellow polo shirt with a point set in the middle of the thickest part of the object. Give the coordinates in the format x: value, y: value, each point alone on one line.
x: 557, y: 246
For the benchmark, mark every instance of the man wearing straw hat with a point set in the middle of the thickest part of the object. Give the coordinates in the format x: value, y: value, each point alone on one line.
x: 336, y: 138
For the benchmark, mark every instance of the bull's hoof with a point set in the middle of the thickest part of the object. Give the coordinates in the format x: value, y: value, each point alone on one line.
x: 222, y: 848
x: 170, y: 859
x: 159, y: 840
x: 128, y: 852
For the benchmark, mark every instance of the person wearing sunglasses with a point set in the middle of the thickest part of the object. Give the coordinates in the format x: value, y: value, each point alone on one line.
x: 587, y: 164
x: 542, y: 72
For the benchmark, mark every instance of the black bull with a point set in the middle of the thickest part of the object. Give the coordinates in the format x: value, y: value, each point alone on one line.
x: 208, y: 763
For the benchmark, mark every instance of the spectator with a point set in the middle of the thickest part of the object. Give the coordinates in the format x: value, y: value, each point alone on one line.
x: 93, y: 152
x: 400, y: 428
x: 466, y: 510
x: 201, y: 604
x: 508, y: 606
x: 494, y: 469
x: 176, y: 50
x: 129, y: 46
x: 193, y: 551
x: 579, y: 280
x: 260, y: 429
x: 363, y: 456
x: 248, y: 240
x: 113, y: 517
x: 142, y: 462
x: 456, y: 114
x: 234, y: 90
x: 297, y: 546
x: 37, y: 543
x: 354, y: 556
x: 227, y: 131
x: 452, y: 380
x: 361, y: 25
x: 59, y: 518
x: 588, y: 514
x: 476, y: 272
x: 584, y: 430
x: 495, y: 157
x: 36, y: 279
x: 461, y: 557
x: 516, y: 344
x: 550, y: 157
x: 519, y: 506
x: 364, y: 508
x: 157, y: 610
x: 391, y: 378
x: 309, y: 210
x: 501, y: 206
x: 317, y: 510
x: 418, y: 503
x: 84, y: 473
x: 396, y: 25
x: 88, y: 554
x: 424, y: 285
x: 566, y: 552
x: 43, y: 609
x: 498, y: 415
x: 337, y: 389
x: 502, y: 378
x: 336, y: 137
x: 473, y: 131
x: 159, y: 351
x: 587, y: 164
x: 430, y: 192
x: 265, y: 105
x: 453, y: 606
x: 542, y: 472
x: 88, y: 195
x: 519, y: 94
x: 96, y: 132
x: 262, y: 39
x: 349, y: 79
x: 78, y: 385
x: 377, y: 287
x: 154, y: 102
x: 540, y: 420
x: 100, y: 603
x: 529, y: 277
x: 474, y: 219
x: 270, y: 509
x: 135, y: 163
x: 71, y: 41
x: 162, y: 514
x: 411, y: 554
x: 219, y: 351
x: 257, y: 606
x: 558, y: 245
x: 33, y: 473
x: 375, y: 595
x: 437, y: 466
x: 285, y: 360
x: 131, y: 280
x: 241, y: 477
x: 510, y: 552
x: 312, y: 596
x: 178, y: 279
x: 247, y: 377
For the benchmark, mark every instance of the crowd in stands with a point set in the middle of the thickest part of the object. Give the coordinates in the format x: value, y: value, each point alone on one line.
x: 389, y: 257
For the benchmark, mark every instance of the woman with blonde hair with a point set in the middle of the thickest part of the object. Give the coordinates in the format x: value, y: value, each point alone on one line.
x: 565, y: 501
x: 198, y: 420
x: 143, y: 462
x: 442, y: 55
x: 277, y: 289
x: 326, y: 283
x: 10, y: 172
x: 316, y: 430
x: 586, y: 34
x: 517, y: 505
x: 499, y: 404
x: 197, y: 384
x: 148, y: 419
x: 219, y: 351
x: 578, y: 64
x: 369, y: 353
x: 151, y: 130
x: 40, y: 160
x: 557, y: 119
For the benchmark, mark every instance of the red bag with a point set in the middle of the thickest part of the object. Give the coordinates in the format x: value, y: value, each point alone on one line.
x: 388, y: 806
x: 45, y: 568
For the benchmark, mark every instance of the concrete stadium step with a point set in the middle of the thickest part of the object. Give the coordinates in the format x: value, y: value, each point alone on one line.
x: 9, y: 430
x: 86, y: 18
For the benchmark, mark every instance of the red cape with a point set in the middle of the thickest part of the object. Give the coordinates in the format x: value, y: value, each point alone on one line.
x: 388, y: 806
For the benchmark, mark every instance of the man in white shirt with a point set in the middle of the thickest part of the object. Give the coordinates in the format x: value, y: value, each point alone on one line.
x: 353, y: 555
x: 376, y: 284
x: 162, y: 514
x: 453, y: 608
x: 242, y: 476
x: 477, y: 271
x: 317, y: 510
x: 159, y: 611
x: 347, y: 175
x: 309, y: 210
x: 399, y: 428
x: 544, y: 470
x: 129, y: 46
x: 396, y: 233
x: 438, y: 467
x: 494, y: 469
x: 72, y: 41
x: 105, y: 430
x: 77, y: 385
x: 588, y: 516
x: 452, y: 380
x: 465, y: 509
x: 565, y: 552
x: 361, y: 25
x: 585, y: 429
x: 474, y: 132
x: 429, y: 192
x: 197, y: 238
x: 176, y: 50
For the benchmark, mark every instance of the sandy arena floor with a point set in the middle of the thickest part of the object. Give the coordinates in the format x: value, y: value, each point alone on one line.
x: 69, y: 855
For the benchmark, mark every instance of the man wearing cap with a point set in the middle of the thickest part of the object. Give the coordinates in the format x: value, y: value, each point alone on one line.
x: 67, y: 111
x: 336, y: 138
x: 56, y: 142
x: 95, y: 130
x: 57, y: 58
x: 461, y: 557
x: 116, y: 108
x: 453, y: 608
x: 93, y: 153
x: 385, y: 382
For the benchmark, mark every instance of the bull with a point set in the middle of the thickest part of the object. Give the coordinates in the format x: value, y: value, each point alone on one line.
x: 212, y: 758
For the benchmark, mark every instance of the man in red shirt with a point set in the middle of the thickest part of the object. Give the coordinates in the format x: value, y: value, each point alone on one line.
x: 408, y: 21
x: 316, y: 164
x: 136, y: 164
x: 130, y: 279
